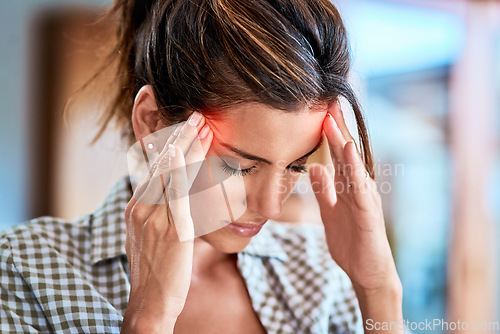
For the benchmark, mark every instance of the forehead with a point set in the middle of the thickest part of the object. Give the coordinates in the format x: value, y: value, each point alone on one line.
x: 270, y: 133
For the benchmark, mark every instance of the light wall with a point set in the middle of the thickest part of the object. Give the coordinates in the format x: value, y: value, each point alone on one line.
x: 15, y: 19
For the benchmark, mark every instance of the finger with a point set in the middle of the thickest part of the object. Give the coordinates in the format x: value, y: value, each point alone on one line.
x: 136, y: 213
x: 336, y: 143
x: 188, y: 134
x: 197, y: 153
x: 158, y: 227
x: 139, y: 207
x: 322, y: 184
x: 186, y: 127
x: 174, y: 135
x: 151, y: 191
x: 178, y: 195
x: 170, y: 138
x: 338, y: 116
x: 194, y: 157
x: 159, y: 161
x: 360, y: 182
x: 143, y: 184
x: 185, y: 136
x: 148, y: 148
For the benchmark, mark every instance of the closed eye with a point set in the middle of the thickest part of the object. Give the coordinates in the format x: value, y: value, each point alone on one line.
x: 294, y: 168
x: 297, y: 168
x: 236, y: 171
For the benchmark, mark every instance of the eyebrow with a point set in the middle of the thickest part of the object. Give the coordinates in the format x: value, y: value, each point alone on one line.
x: 249, y: 156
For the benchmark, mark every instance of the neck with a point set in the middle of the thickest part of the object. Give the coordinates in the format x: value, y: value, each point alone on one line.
x: 207, y: 259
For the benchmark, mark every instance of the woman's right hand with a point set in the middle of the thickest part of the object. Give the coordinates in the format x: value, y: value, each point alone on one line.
x: 160, y: 233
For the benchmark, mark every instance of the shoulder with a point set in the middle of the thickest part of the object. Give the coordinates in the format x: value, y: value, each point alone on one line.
x: 30, y: 257
x: 65, y: 271
x: 78, y: 240
x: 33, y: 239
x: 43, y: 248
x: 41, y: 226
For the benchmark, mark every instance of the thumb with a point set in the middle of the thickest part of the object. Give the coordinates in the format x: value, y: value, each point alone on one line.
x: 322, y: 185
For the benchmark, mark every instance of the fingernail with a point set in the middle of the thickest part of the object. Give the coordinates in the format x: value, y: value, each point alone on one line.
x: 171, y: 151
x: 204, y: 131
x: 195, y: 118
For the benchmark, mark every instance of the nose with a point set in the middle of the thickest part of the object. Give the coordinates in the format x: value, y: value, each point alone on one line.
x: 265, y: 197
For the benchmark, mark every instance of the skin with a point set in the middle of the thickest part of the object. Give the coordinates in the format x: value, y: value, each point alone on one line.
x: 267, y: 186
x: 181, y: 286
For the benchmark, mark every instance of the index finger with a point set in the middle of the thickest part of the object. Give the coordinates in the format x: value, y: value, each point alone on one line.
x: 338, y: 116
x: 335, y: 139
x: 187, y: 138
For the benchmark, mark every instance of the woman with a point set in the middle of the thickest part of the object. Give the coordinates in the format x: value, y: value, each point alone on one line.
x: 258, y: 82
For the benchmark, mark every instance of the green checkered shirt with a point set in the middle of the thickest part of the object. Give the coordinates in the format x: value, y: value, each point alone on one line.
x: 73, y: 276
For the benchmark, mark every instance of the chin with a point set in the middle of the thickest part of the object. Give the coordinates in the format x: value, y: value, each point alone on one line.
x: 225, y: 241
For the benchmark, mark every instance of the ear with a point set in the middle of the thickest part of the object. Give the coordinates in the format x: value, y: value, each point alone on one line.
x: 145, y: 115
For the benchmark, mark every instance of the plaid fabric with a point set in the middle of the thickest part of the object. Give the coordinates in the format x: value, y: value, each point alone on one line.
x: 73, y: 277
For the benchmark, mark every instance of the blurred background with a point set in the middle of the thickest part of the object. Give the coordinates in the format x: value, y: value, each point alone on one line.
x: 427, y: 73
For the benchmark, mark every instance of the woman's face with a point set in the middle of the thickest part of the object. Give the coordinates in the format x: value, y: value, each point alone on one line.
x: 271, y: 147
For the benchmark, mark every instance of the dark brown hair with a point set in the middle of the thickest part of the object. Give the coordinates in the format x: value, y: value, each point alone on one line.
x: 211, y: 54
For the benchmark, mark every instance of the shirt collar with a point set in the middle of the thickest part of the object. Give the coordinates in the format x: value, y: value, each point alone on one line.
x: 266, y: 244
x: 108, y: 229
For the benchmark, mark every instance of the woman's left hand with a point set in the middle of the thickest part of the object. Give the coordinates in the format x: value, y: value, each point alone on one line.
x: 351, y: 211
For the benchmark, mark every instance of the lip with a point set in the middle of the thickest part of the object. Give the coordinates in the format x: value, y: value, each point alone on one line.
x: 245, y: 230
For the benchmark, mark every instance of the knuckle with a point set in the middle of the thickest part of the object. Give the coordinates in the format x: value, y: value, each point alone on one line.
x: 162, y: 162
x: 183, y: 135
x: 157, y: 224
x: 153, y: 167
x: 140, y: 189
x: 128, y: 209
x: 138, y: 213
x: 151, y: 227
x: 159, y: 165
x: 162, y: 170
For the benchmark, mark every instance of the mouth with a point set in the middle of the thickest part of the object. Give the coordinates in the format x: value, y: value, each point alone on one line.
x: 245, y: 230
